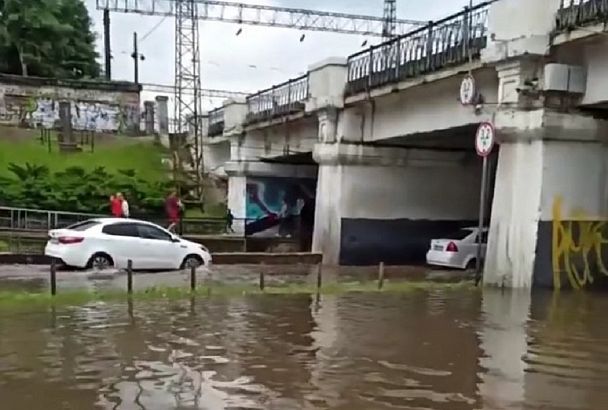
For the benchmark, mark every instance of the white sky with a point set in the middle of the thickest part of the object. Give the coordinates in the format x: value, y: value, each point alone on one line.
x: 259, y: 57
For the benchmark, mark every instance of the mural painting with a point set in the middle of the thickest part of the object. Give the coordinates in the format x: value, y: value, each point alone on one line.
x: 579, y: 248
x: 280, y: 207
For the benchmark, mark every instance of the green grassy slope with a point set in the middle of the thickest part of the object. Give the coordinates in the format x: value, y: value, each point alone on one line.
x: 113, y: 153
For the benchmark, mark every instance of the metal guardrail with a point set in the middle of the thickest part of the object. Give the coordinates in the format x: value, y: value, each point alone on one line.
x: 282, y: 99
x: 578, y: 13
x: 451, y: 41
x: 216, y: 122
x: 33, y: 220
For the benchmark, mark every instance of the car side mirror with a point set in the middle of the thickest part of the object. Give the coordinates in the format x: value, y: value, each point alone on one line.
x: 175, y: 239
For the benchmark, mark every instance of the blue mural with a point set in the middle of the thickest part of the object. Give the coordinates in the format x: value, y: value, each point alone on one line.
x: 280, y: 206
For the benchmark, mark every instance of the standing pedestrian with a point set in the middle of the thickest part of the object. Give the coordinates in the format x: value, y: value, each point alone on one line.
x: 124, y: 205
x: 173, y: 210
x: 229, y: 221
x: 115, y: 206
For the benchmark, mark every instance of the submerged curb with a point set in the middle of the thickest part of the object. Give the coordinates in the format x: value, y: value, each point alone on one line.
x: 228, y: 258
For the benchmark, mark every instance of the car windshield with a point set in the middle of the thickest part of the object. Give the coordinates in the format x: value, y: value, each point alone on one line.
x: 83, y: 226
x: 458, y: 235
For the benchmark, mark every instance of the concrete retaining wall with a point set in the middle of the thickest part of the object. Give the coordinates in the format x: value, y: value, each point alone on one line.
x: 96, y: 106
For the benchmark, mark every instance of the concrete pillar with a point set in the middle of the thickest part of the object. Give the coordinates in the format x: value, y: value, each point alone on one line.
x: 149, y: 117
x: 382, y: 204
x: 162, y: 110
x: 550, y: 201
x: 65, y: 121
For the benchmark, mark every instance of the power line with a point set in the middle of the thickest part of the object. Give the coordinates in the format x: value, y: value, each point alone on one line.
x: 203, y: 92
x: 157, y: 25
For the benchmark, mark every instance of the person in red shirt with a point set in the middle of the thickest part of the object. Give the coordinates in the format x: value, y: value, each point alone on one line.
x: 172, y: 208
x: 116, y: 206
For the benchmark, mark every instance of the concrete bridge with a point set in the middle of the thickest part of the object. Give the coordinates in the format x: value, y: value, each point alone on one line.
x: 377, y: 154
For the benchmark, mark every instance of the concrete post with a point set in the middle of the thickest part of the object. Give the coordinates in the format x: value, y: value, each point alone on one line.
x: 326, y: 82
x: 65, y: 120
x: 162, y: 110
x: 235, y: 116
x: 149, y: 117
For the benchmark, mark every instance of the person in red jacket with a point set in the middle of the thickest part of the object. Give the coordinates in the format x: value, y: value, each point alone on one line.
x: 173, y: 209
x: 116, y: 206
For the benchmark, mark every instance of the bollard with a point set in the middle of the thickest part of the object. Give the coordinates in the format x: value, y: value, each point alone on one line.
x: 129, y: 276
x: 53, y: 277
x: 380, y: 275
x: 193, y: 278
x: 262, y: 282
x: 319, y: 276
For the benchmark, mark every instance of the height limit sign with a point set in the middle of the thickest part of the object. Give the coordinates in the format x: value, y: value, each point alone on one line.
x: 484, y: 139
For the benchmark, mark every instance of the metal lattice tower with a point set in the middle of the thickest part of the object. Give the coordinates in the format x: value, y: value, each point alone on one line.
x: 389, y: 28
x: 188, y: 107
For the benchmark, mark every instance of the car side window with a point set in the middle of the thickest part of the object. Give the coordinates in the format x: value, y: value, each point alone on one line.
x: 121, y: 229
x: 151, y: 232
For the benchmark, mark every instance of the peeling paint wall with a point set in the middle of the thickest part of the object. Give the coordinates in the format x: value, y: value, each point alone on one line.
x: 99, y: 107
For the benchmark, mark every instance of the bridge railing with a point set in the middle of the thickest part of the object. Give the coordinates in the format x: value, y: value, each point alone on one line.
x: 578, y: 13
x: 282, y: 99
x: 451, y: 41
x: 216, y: 122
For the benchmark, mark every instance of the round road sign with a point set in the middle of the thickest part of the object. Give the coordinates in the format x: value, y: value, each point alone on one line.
x: 468, y: 90
x: 484, y: 139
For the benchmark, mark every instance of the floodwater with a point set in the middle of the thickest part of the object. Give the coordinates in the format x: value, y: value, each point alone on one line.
x: 434, y: 349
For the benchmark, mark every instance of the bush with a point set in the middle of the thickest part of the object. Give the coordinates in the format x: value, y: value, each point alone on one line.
x: 75, y: 189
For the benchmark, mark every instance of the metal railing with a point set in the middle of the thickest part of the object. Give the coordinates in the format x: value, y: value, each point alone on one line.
x: 451, y: 41
x: 282, y: 99
x: 38, y: 220
x: 216, y: 122
x: 578, y: 13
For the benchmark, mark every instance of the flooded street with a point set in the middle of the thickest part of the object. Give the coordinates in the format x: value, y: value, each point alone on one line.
x: 437, y: 349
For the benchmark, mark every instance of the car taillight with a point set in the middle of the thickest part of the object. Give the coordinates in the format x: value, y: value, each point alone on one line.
x: 451, y: 247
x: 67, y: 240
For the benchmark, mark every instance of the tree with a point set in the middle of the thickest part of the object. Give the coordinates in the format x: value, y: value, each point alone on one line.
x: 48, y: 38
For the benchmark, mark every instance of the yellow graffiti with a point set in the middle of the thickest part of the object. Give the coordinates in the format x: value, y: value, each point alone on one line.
x: 577, y: 246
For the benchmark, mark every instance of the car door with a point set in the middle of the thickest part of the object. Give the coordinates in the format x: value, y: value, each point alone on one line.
x: 121, y: 241
x: 160, y: 250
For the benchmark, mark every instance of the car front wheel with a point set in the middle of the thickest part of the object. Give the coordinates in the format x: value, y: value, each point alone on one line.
x: 191, y: 261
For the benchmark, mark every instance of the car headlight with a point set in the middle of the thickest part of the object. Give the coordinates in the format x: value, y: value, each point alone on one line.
x: 204, y: 248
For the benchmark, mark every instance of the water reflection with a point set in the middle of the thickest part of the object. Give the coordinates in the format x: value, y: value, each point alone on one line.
x: 423, y: 350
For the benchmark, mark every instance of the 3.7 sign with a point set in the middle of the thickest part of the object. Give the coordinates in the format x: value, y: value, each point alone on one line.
x: 484, y: 139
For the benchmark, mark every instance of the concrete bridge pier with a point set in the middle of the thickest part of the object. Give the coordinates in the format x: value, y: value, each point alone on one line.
x: 548, y: 225
x: 378, y: 204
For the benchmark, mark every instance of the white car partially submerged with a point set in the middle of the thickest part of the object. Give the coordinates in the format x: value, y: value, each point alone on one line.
x: 111, y: 242
x: 458, y: 250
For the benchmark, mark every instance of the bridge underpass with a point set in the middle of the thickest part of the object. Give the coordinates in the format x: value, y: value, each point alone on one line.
x: 385, y: 201
x: 394, y: 147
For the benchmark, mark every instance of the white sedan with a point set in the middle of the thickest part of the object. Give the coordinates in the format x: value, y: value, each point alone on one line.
x: 111, y: 242
x: 458, y: 250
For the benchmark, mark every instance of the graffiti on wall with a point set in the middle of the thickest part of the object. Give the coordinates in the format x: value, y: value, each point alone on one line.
x: 579, y: 248
x: 280, y: 206
x: 43, y: 112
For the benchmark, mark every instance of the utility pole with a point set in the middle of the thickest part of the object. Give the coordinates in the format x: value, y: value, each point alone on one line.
x: 389, y: 27
x: 187, y: 77
x: 135, y: 56
x: 106, y: 44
